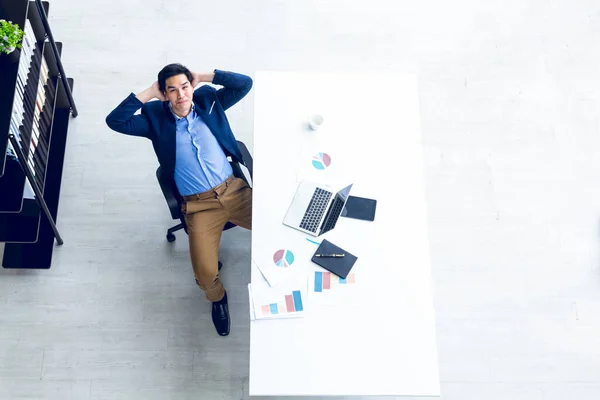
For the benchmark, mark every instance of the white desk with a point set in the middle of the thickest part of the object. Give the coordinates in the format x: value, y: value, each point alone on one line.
x: 385, y: 346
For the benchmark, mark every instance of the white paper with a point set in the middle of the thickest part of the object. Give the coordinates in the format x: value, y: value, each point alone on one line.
x: 359, y: 288
x: 251, y: 307
x: 288, y: 300
x: 326, y: 288
x: 287, y: 258
x: 323, y: 159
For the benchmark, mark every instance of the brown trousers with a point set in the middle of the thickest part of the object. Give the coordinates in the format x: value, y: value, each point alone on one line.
x: 205, y: 215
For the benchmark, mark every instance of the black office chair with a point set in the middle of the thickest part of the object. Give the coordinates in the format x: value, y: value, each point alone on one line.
x: 174, y: 199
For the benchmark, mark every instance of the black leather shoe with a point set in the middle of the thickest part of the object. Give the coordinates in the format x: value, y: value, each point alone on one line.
x: 220, y: 316
x: 220, y: 265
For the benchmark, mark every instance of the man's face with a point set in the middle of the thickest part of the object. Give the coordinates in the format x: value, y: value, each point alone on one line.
x: 179, y: 92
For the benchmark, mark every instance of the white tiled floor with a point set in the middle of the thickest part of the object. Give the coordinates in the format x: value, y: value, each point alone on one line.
x: 509, y: 97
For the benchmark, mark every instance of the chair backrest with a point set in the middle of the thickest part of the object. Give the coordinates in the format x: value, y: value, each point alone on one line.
x: 246, y: 158
x: 171, y: 197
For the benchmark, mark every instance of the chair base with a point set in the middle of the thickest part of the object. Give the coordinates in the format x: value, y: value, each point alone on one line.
x: 170, y: 236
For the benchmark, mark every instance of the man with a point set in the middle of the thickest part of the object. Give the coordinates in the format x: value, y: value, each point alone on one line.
x: 192, y: 139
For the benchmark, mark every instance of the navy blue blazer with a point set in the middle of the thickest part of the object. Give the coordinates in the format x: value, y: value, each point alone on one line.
x: 157, y: 123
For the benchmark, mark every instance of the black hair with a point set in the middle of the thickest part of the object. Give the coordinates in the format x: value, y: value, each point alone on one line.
x: 172, y: 70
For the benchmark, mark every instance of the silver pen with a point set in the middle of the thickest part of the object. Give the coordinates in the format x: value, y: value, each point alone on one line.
x: 211, y: 107
x: 330, y: 255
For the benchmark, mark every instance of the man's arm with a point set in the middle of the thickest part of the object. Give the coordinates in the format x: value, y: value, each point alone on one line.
x: 122, y: 118
x: 235, y: 86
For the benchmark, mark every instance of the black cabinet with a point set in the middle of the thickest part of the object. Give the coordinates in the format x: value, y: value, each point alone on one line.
x: 36, y: 104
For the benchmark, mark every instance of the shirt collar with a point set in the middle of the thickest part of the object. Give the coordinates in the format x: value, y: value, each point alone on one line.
x: 189, y: 117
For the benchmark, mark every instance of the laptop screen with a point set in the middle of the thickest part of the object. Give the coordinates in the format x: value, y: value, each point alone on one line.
x: 345, y: 192
x: 335, y: 209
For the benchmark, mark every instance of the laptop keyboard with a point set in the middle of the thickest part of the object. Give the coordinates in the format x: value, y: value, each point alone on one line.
x: 332, y: 217
x: 316, y: 209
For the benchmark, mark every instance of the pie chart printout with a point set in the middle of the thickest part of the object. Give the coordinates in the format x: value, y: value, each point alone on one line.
x: 283, y: 258
x: 321, y: 161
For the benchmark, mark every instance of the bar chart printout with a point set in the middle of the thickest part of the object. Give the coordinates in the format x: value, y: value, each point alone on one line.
x: 326, y: 281
x: 273, y: 303
x: 292, y: 303
x: 326, y: 288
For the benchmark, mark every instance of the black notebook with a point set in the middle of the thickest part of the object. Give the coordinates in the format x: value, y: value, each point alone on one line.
x: 360, y: 208
x: 340, y: 266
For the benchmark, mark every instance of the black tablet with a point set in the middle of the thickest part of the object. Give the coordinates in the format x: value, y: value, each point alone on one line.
x: 360, y: 208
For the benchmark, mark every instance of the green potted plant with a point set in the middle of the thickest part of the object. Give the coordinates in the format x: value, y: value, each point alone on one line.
x: 11, y: 37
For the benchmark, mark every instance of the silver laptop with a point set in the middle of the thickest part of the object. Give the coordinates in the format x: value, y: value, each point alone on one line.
x: 315, y: 208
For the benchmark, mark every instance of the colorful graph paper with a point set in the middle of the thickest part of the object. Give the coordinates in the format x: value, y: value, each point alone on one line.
x: 321, y: 161
x: 291, y: 303
x: 283, y: 258
x: 325, y: 280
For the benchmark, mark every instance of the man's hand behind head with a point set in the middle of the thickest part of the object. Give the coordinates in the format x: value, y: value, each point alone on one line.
x: 151, y: 93
x: 157, y: 93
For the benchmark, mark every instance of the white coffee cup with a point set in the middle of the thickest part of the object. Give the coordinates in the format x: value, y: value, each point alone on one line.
x: 315, y: 121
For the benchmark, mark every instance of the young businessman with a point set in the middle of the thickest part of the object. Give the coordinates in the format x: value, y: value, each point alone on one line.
x: 192, y: 139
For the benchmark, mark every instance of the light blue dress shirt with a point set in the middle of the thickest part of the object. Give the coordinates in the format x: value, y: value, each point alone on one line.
x: 200, y: 162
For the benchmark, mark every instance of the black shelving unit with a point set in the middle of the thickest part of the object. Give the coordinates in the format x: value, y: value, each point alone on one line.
x: 28, y: 223
x: 12, y: 188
